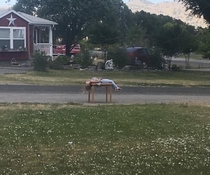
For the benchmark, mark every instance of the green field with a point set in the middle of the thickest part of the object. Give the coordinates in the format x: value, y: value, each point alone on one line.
x: 138, y: 139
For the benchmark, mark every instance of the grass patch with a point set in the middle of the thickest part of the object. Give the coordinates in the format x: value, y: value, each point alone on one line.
x: 134, y: 139
x: 141, y: 78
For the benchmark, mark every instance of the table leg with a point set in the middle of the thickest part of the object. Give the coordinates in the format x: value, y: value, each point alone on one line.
x: 106, y: 94
x: 92, y: 94
x: 110, y: 93
x: 89, y: 96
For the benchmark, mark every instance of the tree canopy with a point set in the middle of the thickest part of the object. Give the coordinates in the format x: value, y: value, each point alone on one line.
x: 199, y: 8
x: 204, y: 43
x: 108, y: 22
x: 74, y: 17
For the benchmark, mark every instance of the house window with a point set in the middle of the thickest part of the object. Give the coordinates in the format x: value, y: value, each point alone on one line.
x: 12, y: 38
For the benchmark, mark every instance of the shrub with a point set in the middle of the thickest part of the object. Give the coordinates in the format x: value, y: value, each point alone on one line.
x: 100, y: 65
x: 55, y: 65
x: 59, y: 62
x: 40, y: 61
x: 174, y: 67
x: 83, y: 58
x: 119, y: 57
x: 156, y: 59
x: 63, y: 59
x: 206, y: 55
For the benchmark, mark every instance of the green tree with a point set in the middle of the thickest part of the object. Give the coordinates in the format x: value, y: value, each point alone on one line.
x: 169, y: 39
x: 29, y: 7
x: 147, y: 26
x: 177, y: 39
x: 188, y: 43
x: 198, y: 7
x: 137, y: 36
x: 124, y: 22
x: 73, y: 16
x: 103, y: 33
x: 188, y: 40
x: 111, y: 28
x: 204, y: 42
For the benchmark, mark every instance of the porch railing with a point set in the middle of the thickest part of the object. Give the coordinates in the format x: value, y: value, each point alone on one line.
x: 42, y: 47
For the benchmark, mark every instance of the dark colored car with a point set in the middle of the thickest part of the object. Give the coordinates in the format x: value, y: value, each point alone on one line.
x: 138, y: 55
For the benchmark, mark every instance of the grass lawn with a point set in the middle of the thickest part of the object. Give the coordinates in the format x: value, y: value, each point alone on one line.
x: 150, y: 139
x: 155, y: 139
x: 136, y: 78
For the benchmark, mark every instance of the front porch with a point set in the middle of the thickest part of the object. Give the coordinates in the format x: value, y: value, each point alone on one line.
x: 43, y: 47
x: 43, y: 40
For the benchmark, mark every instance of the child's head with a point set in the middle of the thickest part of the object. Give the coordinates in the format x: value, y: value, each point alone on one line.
x: 87, y: 85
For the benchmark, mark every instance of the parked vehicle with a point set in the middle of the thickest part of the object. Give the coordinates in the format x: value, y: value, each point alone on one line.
x: 138, y: 55
x: 75, y: 49
x: 61, y: 49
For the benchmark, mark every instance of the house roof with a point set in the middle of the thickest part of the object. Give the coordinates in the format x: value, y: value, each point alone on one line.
x: 29, y: 18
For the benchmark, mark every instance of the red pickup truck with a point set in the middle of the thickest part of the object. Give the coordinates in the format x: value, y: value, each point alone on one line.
x: 61, y: 49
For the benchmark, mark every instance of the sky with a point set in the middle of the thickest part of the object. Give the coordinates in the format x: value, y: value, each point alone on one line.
x: 4, y: 4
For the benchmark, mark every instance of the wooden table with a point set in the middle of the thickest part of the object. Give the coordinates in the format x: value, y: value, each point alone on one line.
x: 108, y: 91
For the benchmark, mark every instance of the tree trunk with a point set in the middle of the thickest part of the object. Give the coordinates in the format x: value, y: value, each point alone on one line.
x: 169, y: 59
x: 68, y: 41
x: 187, y: 61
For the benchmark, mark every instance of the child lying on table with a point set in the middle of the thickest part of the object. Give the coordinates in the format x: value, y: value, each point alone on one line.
x: 100, y: 81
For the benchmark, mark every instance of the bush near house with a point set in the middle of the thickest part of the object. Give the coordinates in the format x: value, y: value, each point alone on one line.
x: 59, y: 62
x: 40, y: 61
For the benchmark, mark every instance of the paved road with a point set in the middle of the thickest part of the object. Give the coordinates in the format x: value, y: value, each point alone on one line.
x: 128, y: 95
